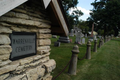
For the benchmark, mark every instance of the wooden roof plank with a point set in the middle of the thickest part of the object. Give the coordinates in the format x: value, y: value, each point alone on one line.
x: 60, y: 16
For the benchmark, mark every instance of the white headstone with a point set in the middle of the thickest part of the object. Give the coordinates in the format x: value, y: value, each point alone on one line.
x: 85, y: 35
x: 72, y: 32
x: 83, y: 40
x: 95, y: 38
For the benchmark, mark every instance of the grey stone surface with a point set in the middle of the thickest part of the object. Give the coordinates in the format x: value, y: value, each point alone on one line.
x: 54, y: 36
x: 4, y: 39
x: 56, y: 44
x: 4, y: 76
x: 72, y: 32
x: 64, y: 40
x: 83, y: 40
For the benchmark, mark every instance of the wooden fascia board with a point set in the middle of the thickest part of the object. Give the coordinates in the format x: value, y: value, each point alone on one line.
x: 7, y: 5
x: 60, y: 16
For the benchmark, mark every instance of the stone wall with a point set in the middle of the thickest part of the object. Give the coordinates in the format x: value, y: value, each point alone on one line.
x: 28, y: 17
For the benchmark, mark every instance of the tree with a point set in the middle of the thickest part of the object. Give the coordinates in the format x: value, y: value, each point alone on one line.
x: 73, y: 18
x: 83, y: 25
x: 106, y: 14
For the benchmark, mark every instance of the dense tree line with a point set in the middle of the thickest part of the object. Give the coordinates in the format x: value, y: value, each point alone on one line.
x: 106, y: 15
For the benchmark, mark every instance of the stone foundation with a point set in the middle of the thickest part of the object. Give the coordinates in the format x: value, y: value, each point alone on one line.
x: 26, y: 18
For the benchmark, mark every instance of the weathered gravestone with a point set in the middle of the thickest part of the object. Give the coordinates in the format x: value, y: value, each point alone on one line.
x: 54, y: 36
x: 85, y: 35
x: 83, y: 40
x: 64, y: 39
x: 72, y: 32
x: 57, y: 44
x: 78, y: 37
x: 95, y: 38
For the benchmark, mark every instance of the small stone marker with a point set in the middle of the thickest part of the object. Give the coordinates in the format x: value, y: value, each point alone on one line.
x: 54, y: 36
x: 64, y: 39
x: 72, y: 32
x: 85, y: 35
x: 57, y: 44
x: 83, y: 40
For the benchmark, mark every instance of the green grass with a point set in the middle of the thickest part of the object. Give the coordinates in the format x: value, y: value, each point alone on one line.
x: 104, y: 65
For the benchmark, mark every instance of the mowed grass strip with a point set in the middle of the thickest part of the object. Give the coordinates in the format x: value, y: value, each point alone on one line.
x: 104, y: 65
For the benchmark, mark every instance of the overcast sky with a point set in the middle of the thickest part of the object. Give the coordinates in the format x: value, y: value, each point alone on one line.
x: 85, y: 6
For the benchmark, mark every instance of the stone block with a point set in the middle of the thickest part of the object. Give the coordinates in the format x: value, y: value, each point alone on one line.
x: 44, y: 36
x: 4, y: 39
x: 9, y: 68
x: 26, y: 60
x: 18, y: 77
x: 5, y: 49
x: 49, y: 78
x: 19, y: 70
x: 43, y: 48
x: 40, y: 71
x: 4, y: 57
x: 4, y: 76
x: 24, y: 78
x: 56, y: 44
x: 45, y: 25
x: 42, y: 31
x: 46, y: 76
x: 11, y: 14
x: 37, y: 57
x: 17, y: 29
x: 19, y: 10
x: 0, y: 61
x: 35, y: 73
x: 44, y: 42
x: 41, y: 52
x: 32, y: 29
x: 47, y: 54
x: 45, y: 59
x: 21, y: 15
x: 54, y: 36
x: 6, y: 24
x: 5, y: 29
x: 5, y: 63
x: 20, y: 21
x: 50, y: 65
x: 34, y: 64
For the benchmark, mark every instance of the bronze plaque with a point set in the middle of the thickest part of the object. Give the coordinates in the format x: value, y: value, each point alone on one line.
x: 23, y: 44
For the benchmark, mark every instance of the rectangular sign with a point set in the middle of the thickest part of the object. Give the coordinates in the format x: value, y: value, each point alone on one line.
x: 23, y: 44
x: 7, y: 5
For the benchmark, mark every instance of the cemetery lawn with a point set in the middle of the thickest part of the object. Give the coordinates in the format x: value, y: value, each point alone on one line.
x: 104, y: 64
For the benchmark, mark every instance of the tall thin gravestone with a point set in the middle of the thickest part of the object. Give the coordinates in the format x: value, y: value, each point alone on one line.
x: 72, y: 32
x: 83, y: 40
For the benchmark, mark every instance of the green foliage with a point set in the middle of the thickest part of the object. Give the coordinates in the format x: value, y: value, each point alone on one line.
x: 100, y: 32
x: 83, y: 25
x: 72, y: 18
x: 106, y: 14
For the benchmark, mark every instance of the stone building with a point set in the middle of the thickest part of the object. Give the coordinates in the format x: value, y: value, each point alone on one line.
x: 29, y: 22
